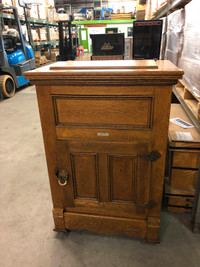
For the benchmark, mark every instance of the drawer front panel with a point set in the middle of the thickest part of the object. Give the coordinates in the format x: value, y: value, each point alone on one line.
x: 183, y: 178
x: 179, y: 209
x: 180, y: 201
x: 121, y: 112
x: 185, y: 159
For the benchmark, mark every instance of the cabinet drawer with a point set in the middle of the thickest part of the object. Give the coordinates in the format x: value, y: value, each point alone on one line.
x: 185, y: 159
x: 183, y: 178
x: 180, y: 201
x: 179, y: 209
x: 104, y: 112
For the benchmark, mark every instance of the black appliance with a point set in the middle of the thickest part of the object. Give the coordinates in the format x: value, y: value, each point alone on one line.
x: 147, y: 39
x: 107, y: 44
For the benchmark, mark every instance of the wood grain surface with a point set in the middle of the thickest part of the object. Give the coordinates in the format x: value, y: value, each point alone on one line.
x: 100, y: 125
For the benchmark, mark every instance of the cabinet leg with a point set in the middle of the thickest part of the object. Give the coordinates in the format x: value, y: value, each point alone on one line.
x: 58, y: 215
x: 153, y: 225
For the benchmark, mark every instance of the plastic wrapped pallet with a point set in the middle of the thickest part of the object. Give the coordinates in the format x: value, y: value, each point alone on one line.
x: 19, y: 8
x: 42, y: 12
x: 35, y: 35
x: 42, y: 34
x: 50, y: 13
x: 54, y: 35
x: 33, y: 12
x: 163, y: 38
x: 175, y: 30
x: 190, y: 58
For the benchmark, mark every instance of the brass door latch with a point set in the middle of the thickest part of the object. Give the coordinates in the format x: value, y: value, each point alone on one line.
x: 63, y: 176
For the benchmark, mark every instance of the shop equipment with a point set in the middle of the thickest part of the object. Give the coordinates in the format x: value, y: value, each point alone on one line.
x: 15, y: 57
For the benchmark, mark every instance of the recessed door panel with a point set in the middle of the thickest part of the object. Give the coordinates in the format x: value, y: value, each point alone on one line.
x: 122, y: 175
x: 122, y: 112
x: 85, y: 176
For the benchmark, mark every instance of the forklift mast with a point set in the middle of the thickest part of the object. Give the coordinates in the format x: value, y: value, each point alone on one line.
x: 67, y: 49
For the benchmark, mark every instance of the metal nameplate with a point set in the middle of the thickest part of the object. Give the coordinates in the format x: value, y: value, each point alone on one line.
x: 102, y: 134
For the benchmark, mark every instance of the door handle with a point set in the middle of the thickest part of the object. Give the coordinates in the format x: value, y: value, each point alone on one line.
x: 63, y: 176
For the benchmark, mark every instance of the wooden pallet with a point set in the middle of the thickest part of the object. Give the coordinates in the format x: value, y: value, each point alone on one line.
x: 121, y: 16
x: 39, y: 40
x: 190, y: 99
x: 7, y: 11
x: 42, y: 62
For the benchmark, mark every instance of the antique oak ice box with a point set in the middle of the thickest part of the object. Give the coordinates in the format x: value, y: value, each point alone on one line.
x: 105, y: 127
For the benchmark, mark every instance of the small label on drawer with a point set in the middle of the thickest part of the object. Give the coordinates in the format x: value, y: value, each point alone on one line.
x: 102, y: 134
x: 184, y: 136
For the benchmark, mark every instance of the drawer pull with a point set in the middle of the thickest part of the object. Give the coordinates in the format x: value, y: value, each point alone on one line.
x: 63, y: 176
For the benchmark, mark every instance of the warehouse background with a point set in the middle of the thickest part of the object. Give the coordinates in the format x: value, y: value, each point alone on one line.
x: 26, y: 222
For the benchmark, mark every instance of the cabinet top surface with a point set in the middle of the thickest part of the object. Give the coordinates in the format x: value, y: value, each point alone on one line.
x: 108, y: 67
x: 105, y: 71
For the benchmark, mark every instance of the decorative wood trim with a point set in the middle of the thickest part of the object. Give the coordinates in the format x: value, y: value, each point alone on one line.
x: 58, y: 215
x: 160, y: 81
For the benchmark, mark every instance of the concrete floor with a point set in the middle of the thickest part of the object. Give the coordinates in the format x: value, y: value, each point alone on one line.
x: 26, y: 236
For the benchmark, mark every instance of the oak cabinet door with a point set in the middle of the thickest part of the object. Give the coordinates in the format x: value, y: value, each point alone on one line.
x: 108, y: 183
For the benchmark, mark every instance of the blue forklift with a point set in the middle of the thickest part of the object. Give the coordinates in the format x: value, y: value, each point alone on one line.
x: 16, y: 57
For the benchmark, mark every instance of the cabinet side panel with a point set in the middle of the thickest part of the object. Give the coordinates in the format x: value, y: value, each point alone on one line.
x: 162, y: 103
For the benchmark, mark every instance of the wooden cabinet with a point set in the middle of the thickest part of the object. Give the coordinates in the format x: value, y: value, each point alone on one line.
x: 183, y: 164
x: 105, y: 130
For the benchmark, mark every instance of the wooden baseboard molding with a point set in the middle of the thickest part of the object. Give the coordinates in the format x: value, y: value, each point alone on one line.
x: 105, y: 224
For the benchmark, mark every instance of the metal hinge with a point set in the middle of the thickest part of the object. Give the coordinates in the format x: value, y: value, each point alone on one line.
x: 153, y: 156
x: 147, y: 205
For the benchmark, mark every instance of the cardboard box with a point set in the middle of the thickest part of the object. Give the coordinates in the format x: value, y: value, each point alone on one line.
x: 35, y: 35
x: 42, y: 12
x: 37, y: 54
x: 50, y: 13
x: 33, y: 12
x: 42, y: 34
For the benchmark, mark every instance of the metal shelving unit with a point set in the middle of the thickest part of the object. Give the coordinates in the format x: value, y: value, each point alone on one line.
x: 114, y: 21
x: 39, y: 23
